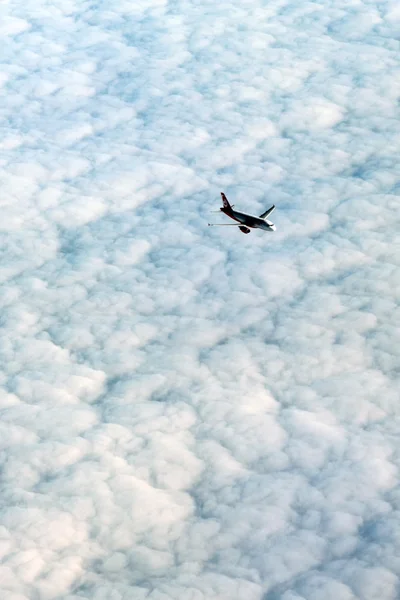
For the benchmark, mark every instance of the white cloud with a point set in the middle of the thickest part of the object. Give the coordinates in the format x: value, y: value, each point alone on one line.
x: 190, y: 413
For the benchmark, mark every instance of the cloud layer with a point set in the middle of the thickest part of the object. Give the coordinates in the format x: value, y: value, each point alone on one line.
x: 190, y: 413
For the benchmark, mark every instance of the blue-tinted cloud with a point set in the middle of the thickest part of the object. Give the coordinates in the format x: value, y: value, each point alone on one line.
x: 190, y: 413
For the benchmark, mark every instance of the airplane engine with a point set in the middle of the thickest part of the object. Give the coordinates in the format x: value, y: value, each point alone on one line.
x: 244, y: 229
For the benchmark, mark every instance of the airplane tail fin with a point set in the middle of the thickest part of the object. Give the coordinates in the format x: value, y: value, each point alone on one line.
x: 225, y: 202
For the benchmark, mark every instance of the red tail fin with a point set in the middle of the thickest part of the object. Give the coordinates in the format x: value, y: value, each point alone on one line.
x: 225, y: 201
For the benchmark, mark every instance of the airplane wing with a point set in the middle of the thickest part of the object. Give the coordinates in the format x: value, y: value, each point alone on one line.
x: 267, y: 212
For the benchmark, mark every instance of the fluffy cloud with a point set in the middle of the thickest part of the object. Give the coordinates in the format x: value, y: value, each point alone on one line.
x: 189, y: 413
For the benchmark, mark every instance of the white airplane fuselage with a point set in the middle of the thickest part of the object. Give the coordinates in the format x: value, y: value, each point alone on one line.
x: 249, y: 220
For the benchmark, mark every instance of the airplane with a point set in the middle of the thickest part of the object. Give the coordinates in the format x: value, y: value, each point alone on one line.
x: 247, y: 222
